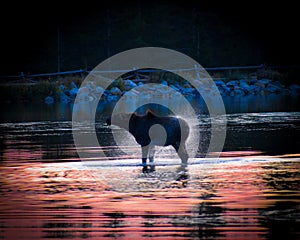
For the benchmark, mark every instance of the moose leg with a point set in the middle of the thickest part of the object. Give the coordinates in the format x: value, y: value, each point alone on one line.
x: 145, y: 151
x: 151, y: 157
x: 182, y: 153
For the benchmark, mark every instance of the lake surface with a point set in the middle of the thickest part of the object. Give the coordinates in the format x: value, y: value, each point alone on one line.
x: 252, y: 191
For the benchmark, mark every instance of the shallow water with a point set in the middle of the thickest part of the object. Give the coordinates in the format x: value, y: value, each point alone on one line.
x: 251, y: 192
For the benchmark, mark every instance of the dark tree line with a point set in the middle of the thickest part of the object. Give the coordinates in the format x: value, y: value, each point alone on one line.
x: 71, y: 39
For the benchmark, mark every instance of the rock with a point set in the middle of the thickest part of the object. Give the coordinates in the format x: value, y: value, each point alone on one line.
x: 73, y: 92
x: 220, y: 83
x: 174, y: 87
x: 264, y: 81
x: 64, y: 98
x: 176, y: 84
x: 186, y: 91
x: 253, y: 89
x: 187, y: 85
x: 63, y: 94
x: 164, y: 82
x: 244, y: 83
x: 272, y: 88
x: 260, y: 84
x: 223, y: 88
x: 62, y: 87
x: 116, y: 91
x: 73, y: 85
x: 49, y: 100
x: 277, y: 83
x: 245, y: 86
x: 232, y: 83
x: 99, y: 90
x: 112, y: 98
x: 84, y: 93
x: 198, y: 84
x: 252, y: 81
x: 131, y: 94
x: 129, y: 84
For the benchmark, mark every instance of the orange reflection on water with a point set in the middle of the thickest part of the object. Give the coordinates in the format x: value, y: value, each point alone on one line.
x: 240, y: 188
x: 64, y: 200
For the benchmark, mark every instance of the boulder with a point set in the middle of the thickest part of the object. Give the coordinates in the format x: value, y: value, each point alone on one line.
x: 164, y: 82
x: 73, y: 92
x: 64, y: 97
x: 186, y: 91
x: 252, y: 81
x: 272, y: 88
x: 232, y: 83
x: 277, y: 83
x: 131, y: 94
x: 253, y: 89
x: 219, y: 83
x: 112, y: 98
x: 49, y: 100
x: 99, y: 90
x: 245, y: 86
x: 73, y: 85
x: 260, y: 84
x: 129, y: 84
x: 174, y: 87
x: 264, y: 81
x: 223, y: 88
x: 116, y: 91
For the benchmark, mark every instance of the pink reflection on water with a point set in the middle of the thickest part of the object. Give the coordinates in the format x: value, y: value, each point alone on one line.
x: 241, y: 194
x: 221, y: 201
x: 18, y: 154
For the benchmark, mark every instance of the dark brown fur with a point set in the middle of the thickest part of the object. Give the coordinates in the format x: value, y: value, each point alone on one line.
x: 139, y: 126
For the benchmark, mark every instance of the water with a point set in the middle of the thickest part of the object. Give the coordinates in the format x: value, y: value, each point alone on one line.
x: 251, y: 192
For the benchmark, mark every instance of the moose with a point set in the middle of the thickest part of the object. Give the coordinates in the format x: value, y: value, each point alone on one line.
x: 150, y: 130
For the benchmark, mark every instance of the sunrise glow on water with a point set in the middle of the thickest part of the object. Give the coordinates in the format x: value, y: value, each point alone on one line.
x: 250, y: 192
x: 48, y: 192
x: 232, y: 200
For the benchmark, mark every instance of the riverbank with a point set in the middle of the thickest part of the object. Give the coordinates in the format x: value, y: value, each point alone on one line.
x: 67, y: 89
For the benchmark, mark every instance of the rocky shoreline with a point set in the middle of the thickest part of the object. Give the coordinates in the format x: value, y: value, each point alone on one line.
x: 129, y: 88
